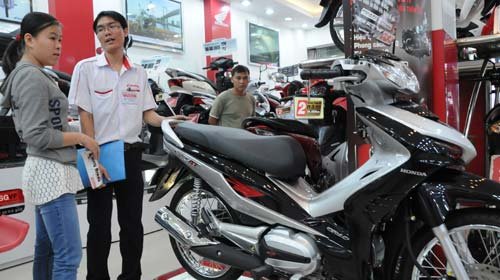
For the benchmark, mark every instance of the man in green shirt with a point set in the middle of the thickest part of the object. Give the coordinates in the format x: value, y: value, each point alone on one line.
x: 234, y: 105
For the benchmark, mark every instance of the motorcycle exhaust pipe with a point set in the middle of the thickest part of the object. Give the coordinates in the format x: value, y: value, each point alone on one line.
x: 180, y: 229
x: 191, y: 238
x: 229, y: 255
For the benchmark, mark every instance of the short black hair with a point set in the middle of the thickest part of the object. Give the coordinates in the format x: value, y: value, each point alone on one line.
x: 240, y: 69
x: 112, y: 14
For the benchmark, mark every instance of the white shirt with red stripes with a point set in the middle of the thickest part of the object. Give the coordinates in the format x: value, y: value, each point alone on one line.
x: 116, y: 100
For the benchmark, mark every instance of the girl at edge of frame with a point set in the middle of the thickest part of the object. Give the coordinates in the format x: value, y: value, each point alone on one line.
x: 50, y: 178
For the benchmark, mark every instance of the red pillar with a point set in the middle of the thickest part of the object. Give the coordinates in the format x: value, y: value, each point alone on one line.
x: 78, y: 36
x: 447, y: 102
x: 217, y: 24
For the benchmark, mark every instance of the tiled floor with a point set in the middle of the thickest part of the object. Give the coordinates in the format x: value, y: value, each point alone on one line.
x: 157, y: 259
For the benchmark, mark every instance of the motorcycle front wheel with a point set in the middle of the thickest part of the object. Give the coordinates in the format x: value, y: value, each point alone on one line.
x: 198, y: 266
x: 476, y: 236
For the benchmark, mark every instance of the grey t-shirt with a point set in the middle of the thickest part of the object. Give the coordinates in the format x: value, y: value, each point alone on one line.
x: 230, y: 110
x: 40, y: 112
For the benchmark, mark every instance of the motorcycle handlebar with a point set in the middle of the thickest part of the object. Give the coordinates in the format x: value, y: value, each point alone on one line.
x: 214, y: 68
x: 308, y: 74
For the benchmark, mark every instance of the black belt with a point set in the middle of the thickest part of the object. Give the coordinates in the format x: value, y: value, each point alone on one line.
x: 138, y: 146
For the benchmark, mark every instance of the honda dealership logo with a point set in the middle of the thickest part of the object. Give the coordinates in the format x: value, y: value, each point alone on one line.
x: 220, y: 18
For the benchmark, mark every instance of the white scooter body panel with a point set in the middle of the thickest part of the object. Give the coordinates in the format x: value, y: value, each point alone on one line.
x: 199, y: 86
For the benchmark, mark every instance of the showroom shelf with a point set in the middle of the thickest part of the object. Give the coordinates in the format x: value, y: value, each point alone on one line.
x: 487, y: 46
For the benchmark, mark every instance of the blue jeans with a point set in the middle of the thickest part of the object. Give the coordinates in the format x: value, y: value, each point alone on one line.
x: 58, y: 247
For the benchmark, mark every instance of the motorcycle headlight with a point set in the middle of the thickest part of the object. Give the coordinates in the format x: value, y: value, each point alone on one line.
x: 400, y: 74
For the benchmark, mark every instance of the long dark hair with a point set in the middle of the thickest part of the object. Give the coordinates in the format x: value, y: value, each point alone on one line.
x: 116, y: 16
x: 32, y: 23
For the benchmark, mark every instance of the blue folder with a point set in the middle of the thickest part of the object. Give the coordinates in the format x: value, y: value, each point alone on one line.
x: 111, y: 157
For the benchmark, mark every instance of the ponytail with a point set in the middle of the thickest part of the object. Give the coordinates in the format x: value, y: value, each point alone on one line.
x: 11, y: 56
x: 32, y: 23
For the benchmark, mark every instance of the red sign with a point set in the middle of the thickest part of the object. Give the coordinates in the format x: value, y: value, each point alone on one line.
x: 217, y: 24
x: 11, y: 197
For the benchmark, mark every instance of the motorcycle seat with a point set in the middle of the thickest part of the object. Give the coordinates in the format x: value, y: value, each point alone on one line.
x: 280, y: 156
x: 283, y: 125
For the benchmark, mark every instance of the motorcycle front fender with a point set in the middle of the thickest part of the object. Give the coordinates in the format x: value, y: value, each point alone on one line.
x: 172, y: 175
x: 440, y: 194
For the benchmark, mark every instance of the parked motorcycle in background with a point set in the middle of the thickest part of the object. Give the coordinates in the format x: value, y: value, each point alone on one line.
x: 184, y: 85
x: 152, y: 136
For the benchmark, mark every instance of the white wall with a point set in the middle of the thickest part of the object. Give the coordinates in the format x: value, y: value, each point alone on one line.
x: 41, y: 6
x: 318, y: 37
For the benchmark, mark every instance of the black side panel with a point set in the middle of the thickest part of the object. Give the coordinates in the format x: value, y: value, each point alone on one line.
x: 274, y: 198
x: 377, y: 202
x: 416, y: 109
x: 176, y: 173
x: 413, y: 141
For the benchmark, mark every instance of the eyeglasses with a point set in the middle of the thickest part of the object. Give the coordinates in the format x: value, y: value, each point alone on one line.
x: 111, y: 27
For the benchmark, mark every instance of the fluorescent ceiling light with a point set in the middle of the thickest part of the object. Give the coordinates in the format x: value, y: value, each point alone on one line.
x: 246, y: 3
x: 288, y: 19
x: 269, y: 11
x: 306, y: 7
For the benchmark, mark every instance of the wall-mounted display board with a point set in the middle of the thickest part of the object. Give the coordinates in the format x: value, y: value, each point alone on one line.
x: 263, y: 45
x: 14, y: 10
x: 157, y: 22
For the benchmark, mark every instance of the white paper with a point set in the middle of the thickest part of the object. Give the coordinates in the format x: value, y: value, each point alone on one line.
x: 92, y: 167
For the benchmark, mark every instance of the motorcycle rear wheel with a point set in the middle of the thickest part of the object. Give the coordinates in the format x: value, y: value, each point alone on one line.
x: 476, y: 236
x: 199, y: 267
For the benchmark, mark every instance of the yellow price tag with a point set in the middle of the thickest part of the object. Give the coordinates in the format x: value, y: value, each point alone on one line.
x: 308, y: 108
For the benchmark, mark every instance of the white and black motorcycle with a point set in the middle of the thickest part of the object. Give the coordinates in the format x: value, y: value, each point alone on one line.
x: 410, y: 212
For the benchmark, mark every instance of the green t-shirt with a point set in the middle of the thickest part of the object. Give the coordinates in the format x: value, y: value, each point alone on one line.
x: 230, y: 109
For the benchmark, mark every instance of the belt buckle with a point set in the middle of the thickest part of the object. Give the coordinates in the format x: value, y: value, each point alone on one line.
x: 127, y: 146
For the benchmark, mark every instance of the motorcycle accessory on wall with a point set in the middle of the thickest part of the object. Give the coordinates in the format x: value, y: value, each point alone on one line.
x: 415, y: 40
x: 472, y: 16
